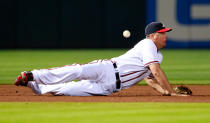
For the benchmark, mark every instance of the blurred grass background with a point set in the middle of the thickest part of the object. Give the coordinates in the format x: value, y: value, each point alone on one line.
x: 181, y: 66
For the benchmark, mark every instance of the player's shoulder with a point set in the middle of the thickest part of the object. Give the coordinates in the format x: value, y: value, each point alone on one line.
x: 145, y: 43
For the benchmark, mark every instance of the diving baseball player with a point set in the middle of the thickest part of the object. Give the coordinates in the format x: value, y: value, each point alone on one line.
x: 104, y: 77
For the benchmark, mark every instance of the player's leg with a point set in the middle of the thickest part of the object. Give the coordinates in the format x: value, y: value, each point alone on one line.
x: 91, y: 71
x: 57, y: 75
x: 95, y: 70
x: 81, y: 88
x: 49, y: 76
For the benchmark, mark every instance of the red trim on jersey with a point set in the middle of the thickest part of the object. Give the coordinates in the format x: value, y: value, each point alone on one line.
x: 130, y: 73
x: 134, y: 77
x: 150, y: 63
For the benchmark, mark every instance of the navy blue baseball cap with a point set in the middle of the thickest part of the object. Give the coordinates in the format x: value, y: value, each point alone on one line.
x: 156, y: 27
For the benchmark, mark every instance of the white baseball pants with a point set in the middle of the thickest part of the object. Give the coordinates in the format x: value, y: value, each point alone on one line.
x: 94, y: 78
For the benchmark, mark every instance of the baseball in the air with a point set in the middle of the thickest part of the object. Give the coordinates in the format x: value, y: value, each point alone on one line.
x: 126, y: 33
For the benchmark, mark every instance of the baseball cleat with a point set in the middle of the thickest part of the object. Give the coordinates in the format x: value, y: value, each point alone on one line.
x: 23, y: 78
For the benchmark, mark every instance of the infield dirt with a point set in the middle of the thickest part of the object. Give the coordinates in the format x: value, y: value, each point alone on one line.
x: 12, y: 93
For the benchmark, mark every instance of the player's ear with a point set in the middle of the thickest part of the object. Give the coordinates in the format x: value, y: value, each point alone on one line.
x: 151, y: 36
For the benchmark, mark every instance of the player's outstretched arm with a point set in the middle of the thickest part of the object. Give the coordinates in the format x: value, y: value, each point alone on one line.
x: 152, y: 82
x: 162, y: 80
x: 160, y: 77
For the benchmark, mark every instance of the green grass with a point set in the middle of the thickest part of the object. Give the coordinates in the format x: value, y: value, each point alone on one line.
x: 105, y: 112
x: 181, y: 66
x: 187, y: 66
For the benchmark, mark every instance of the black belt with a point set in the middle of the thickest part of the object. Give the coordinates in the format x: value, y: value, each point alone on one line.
x: 118, y: 82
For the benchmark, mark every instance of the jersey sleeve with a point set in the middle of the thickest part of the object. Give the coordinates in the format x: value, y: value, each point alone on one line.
x: 149, y: 53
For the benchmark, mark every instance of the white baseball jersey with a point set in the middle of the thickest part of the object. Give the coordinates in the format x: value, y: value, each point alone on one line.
x: 133, y: 65
x: 98, y: 77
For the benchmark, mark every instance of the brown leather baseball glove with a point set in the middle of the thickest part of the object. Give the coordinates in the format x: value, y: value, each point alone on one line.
x: 183, y: 90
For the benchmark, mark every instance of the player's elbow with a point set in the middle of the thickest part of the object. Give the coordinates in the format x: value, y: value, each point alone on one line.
x: 156, y: 73
x: 155, y: 69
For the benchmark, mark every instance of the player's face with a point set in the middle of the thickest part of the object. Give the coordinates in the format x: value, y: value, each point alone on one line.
x: 160, y: 39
